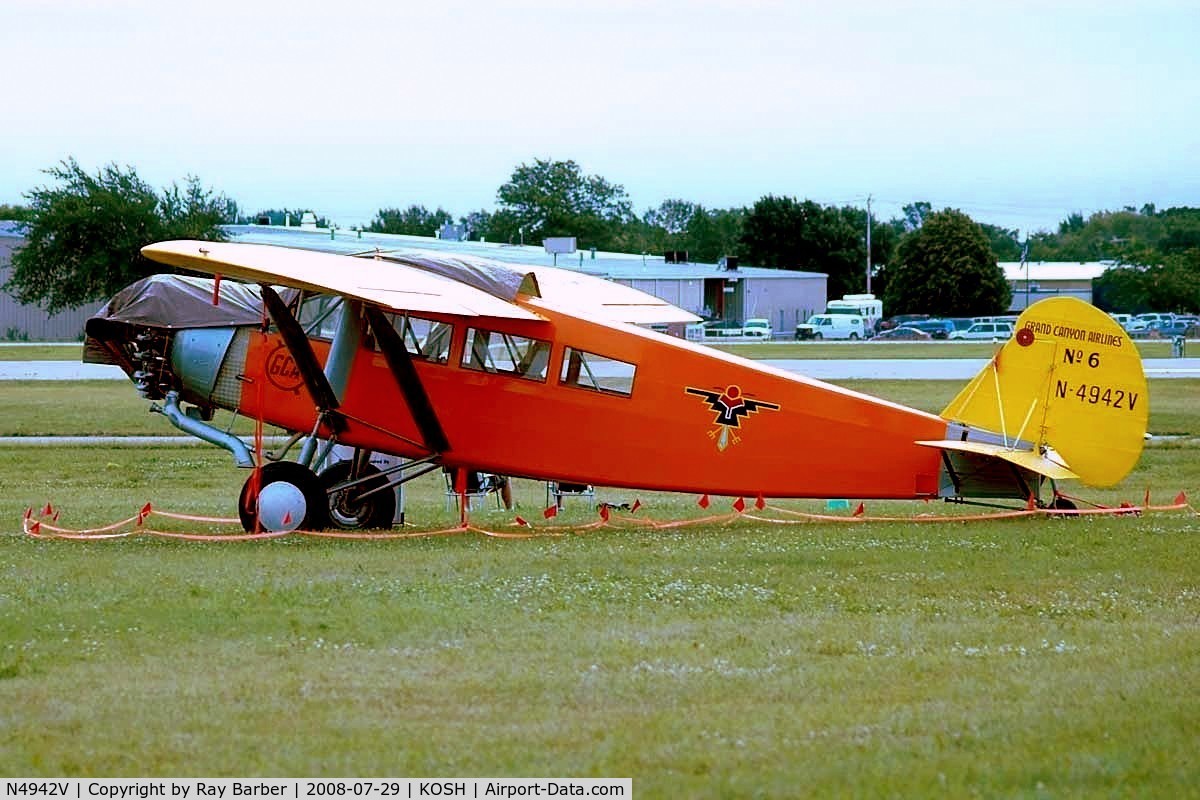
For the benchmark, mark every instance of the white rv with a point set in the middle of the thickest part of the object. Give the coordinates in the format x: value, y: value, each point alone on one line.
x: 864, y: 305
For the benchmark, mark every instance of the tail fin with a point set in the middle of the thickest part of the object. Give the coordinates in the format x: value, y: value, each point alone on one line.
x: 1069, y: 379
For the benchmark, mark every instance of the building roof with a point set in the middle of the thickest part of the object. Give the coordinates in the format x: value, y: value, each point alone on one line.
x: 1055, y: 270
x: 10, y: 229
x: 613, y: 266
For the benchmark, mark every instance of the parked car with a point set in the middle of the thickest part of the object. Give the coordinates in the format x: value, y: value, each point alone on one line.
x: 902, y: 334
x: 900, y: 320
x: 758, y: 328
x: 1168, y: 329
x: 831, y: 326
x: 937, y: 328
x: 1153, y: 317
x: 1191, y: 324
x: 962, y: 323
x: 985, y: 331
x: 722, y: 328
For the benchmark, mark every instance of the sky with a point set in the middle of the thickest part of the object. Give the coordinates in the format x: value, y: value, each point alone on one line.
x: 1018, y: 113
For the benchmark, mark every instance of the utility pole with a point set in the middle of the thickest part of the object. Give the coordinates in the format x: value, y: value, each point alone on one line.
x: 1025, y: 263
x: 868, y: 244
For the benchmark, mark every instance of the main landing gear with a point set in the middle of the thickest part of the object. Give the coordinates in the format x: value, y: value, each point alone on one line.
x: 352, y: 494
x: 283, y: 496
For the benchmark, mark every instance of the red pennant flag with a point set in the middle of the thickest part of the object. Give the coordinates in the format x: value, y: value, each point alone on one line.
x: 36, y: 527
x: 521, y: 521
x: 287, y: 518
x: 760, y: 502
x: 1181, y: 499
x: 48, y: 510
x: 146, y: 509
x: 140, y: 520
x: 636, y: 505
x: 862, y: 509
x: 604, y: 513
x: 703, y: 502
x: 55, y: 517
x: 550, y: 512
x: 28, y: 512
x: 739, y: 505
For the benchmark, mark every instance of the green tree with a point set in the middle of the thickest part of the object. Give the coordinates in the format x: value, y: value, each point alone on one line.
x: 915, y: 214
x: 1171, y: 285
x: 84, y: 235
x: 290, y: 217
x: 714, y: 233
x: 412, y: 221
x: 946, y: 267
x: 1004, y: 242
x: 784, y: 233
x: 478, y: 225
x: 15, y: 213
x: 555, y: 198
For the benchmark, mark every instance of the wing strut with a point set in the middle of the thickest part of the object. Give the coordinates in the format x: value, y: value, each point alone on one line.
x: 401, y: 365
x: 306, y: 360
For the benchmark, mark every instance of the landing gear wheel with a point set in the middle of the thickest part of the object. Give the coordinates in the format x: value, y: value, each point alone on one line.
x: 347, y: 509
x: 289, y: 497
x: 1060, y: 503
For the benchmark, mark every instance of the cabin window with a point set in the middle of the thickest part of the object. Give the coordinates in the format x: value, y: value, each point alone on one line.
x: 319, y: 314
x: 426, y: 339
x: 506, y: 354
x: 596, y: 372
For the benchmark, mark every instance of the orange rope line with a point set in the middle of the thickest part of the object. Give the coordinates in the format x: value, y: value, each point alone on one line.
x: 46, y: 529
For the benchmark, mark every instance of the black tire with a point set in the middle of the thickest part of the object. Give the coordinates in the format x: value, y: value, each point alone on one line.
x: 1060, y: 503
x: 316, y: 512
x: 817, y: 336
x: 853, y: 337
x: 346, y: 510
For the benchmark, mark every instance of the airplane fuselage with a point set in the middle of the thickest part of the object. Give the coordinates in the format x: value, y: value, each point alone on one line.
x: 655, y: 412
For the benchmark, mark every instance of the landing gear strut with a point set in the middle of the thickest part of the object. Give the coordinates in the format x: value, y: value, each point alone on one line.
x: 369, y: 502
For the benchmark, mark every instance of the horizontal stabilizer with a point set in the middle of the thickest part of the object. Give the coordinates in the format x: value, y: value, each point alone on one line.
x: 1026, y: 459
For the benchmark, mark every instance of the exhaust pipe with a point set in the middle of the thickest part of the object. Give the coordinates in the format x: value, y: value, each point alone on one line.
x: 202, y: 430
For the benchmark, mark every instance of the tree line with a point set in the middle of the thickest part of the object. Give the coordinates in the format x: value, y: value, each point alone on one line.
x: 84, y: 235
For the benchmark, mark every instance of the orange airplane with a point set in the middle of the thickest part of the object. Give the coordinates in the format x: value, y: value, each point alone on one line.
x: 469, y: 364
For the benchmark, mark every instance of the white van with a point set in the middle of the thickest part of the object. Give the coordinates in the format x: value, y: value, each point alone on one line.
x: 832, y: 326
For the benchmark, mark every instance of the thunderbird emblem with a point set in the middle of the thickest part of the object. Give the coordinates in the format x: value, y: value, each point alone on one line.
x: 731, y: 407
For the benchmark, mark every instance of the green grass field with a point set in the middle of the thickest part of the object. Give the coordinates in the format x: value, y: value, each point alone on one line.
x: 1027, y: 657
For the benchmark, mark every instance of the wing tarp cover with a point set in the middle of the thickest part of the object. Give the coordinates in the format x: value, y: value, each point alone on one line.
x: 499, y: 280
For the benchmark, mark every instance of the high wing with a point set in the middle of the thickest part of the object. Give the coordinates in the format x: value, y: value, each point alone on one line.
x: 596, y: 297
x: 424, y: 281
x: 389, y: 284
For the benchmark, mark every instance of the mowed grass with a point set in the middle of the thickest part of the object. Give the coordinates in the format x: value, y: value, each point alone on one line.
x: 41, y: 352
x: 1030, y: 657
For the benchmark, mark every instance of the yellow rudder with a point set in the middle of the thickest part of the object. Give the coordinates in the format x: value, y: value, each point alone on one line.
x: 1070, y: 379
